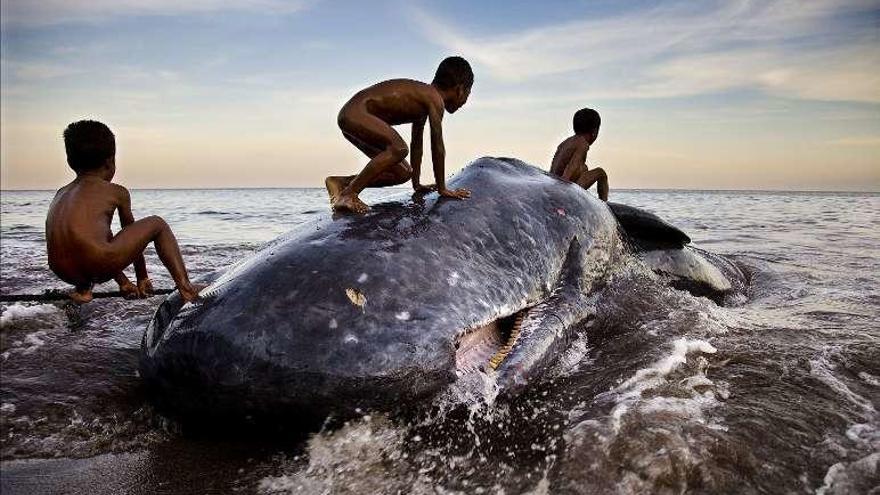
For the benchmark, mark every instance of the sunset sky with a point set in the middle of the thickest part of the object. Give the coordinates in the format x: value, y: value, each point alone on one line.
x: 693, y: 95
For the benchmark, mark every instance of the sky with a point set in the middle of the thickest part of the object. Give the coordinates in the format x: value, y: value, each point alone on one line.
x: 772, y: 94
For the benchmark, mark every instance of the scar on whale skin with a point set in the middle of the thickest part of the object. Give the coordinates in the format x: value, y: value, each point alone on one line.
x: 356, y: 297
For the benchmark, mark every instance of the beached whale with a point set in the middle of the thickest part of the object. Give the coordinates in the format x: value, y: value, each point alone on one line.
x: 381, y: 309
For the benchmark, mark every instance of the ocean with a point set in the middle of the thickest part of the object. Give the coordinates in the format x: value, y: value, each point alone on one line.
x: 664, y: 393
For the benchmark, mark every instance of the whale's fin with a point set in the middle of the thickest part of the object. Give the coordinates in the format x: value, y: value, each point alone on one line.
x: 646, y: 231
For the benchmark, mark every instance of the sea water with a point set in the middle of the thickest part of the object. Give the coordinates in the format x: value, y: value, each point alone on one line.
x: 663, y: 393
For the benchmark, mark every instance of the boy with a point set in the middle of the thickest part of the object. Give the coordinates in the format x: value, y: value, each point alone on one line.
x: 570, y: 160
x: 82, y: 250
x: 366, y: 121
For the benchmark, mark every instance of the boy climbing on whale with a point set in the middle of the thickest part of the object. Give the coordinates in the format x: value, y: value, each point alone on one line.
x: 82, y: 249
x: 366, y: 120
x: 570, y: 160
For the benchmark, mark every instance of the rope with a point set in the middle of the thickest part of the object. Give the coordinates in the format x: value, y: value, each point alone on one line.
x: 62, y: 294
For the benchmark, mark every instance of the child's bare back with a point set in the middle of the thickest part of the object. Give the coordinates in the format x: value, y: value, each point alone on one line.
x: 366, y: 120
x: 78, y: 227
x: 573, y: 150
x: 570, y: 159
x: 81, y: 247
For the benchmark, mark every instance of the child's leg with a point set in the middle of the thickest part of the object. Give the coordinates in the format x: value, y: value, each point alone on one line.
x: 131, y: 241
x: 392, y: 150
x: 393, y: 176
x: 82, y: 293
x: 591, y: 177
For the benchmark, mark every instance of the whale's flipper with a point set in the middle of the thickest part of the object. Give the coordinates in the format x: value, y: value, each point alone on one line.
x: 647, y: 231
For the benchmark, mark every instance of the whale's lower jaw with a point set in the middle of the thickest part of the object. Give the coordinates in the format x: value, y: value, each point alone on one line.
x: 517, y: 348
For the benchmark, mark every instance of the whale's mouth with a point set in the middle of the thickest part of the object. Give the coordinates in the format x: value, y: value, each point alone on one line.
x: 484, y: 348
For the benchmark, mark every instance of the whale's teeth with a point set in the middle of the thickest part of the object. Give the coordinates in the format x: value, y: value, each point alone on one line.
x: 504, y: 351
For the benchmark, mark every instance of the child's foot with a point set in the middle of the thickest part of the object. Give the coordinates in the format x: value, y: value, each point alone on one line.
x: 190, y: 292
x: 81, y: 296
x: 350, y: 202
x: 334, y: 186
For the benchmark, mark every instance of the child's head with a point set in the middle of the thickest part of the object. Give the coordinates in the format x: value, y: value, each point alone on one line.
x: 454, y: 78
x: 586, y: 123
x: 90, y: 145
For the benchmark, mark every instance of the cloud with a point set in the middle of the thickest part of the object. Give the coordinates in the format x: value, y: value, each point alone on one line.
x: 850, y: 73
x: 857, y: 141
x: 47, y: 12
x: 36, y: 71
x: 678, y: 50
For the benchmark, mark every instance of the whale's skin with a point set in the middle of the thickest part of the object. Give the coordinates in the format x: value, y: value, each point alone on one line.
x: 350, y: 311
x: 279, y: 331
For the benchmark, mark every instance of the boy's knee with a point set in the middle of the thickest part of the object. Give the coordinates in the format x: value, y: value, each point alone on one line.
x: 601, y: 172
x: 158, y: 223
x: 399, y: 151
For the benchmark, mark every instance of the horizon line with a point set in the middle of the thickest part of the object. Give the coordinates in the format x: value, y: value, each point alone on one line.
x: 397, y: 188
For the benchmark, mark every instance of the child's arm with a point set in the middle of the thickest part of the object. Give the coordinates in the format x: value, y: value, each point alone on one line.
x: 126, y: 218
x: 415, y: 149
x: 438, y: 155
x: 577, y: 161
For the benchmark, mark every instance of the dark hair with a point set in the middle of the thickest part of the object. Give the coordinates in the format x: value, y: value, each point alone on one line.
x: 452, y: 72
x: 586, y: 120
x: 88, y: 144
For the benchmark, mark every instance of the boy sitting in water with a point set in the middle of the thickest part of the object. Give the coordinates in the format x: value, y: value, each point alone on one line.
x: 570, y: 160
x: 366, y: 121
x: 82, y: 250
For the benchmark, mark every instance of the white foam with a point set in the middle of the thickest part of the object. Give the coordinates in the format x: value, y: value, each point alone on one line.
x: 629, y: 393
x: 364, y: 456
x: 28, y: 345
x: 18, y: 312
x: 869, y: 379
x: 851, y: 477
x: 822, y: 368
x: 865, y: 434
x: 680, y: 349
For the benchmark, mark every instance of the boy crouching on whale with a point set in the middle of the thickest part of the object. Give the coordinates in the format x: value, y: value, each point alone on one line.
x: 366, y: 120
x: 82, y: 249
x: 570, y: 160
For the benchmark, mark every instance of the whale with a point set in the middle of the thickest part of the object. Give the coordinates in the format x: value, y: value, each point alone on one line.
x: 354, y: 312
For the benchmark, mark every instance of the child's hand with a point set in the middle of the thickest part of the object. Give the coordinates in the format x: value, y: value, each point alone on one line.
x: 129, y: 290
x: 460, y: 193
x: 145, y: 287
x: 424, y: 188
